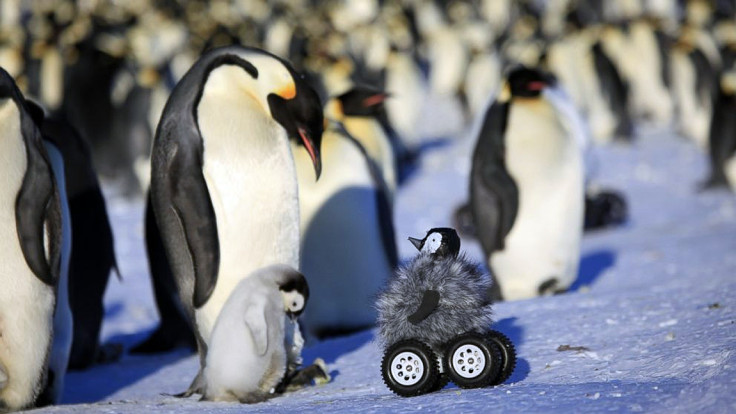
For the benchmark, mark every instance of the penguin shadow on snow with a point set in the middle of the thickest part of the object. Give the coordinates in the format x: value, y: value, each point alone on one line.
x: 412, y: 166
x: 592, y: 266
x: 101, y: 381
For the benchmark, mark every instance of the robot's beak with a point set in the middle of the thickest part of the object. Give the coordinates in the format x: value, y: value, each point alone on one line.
x: 416, y: 242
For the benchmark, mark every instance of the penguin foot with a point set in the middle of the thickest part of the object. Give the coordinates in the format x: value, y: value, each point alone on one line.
x: 108, y: 353
x: 550, y: 287
x: 604, y: 209
x: 165, y: 339
x: 713, y: 182
x: 196, y: 387
x: 463, y: 221
x: 255, y: 397
x: 315, y: 374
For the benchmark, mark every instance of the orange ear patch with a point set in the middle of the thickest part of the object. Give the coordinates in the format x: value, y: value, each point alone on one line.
x: 287, y: 92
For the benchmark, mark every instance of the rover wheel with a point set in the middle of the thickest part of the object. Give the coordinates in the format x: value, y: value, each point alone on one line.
x: 508, y: 356
x: 410, y: 368
x: 473, y: 361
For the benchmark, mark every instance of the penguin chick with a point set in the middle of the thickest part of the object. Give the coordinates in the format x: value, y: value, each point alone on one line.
x: 249, y: 354
x: 435, y: 298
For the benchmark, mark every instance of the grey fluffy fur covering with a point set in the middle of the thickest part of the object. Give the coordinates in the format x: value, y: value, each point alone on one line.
x: 464, y: 304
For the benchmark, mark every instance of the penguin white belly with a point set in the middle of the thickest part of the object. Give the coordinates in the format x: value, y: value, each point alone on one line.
x: 649, y: 94
x: 729, y: 169
x: 484, y: 75
x: 546, y: 164
x: 26, y: 303
x: 449, y: 62
x: 343, y: 256
x: 693, y: 119
x: 405, y: 83
x: 251, y: 179
x: 371, y: 136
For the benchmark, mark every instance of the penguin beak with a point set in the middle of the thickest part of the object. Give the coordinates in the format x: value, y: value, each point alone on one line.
x: 312, y: 149
x: 374, y: 99
x: 416, y: 242
x: 536, y: 86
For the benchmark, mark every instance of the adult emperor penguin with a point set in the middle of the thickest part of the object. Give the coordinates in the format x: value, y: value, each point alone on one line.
x: 348, y: 246
x: 256, y: 340
x: 526, y: 189
x: 223, y: 181
x: 361, y: 110
x: 31, y: 253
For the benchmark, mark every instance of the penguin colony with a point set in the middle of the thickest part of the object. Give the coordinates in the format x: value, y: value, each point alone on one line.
x: 111, y: 79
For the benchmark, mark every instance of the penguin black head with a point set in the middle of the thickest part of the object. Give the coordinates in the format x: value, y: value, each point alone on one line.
x: 440, y: 241
x: 295, y: 292
x: 362, y: 101
x: 528, y: 82
x: 300, y: 113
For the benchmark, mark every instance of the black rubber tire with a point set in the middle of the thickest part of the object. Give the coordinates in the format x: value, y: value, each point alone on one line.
x: 427, y: 361
x: 508, y: 356
x: 491, y: 356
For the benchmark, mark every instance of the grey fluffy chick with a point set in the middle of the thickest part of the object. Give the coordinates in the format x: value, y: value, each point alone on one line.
x: 435, y: 298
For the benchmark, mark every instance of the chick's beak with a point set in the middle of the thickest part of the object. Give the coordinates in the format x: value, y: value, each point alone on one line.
x: 416, y: 242
x: 312, y: 149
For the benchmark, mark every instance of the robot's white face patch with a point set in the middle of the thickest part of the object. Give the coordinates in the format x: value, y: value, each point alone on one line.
x: 432, y: 243
x: 293, y: 301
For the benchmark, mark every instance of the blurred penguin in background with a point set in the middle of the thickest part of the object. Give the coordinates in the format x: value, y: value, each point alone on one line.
x: 722, y: 140
x: 347, y: 242
x: 526, y: 189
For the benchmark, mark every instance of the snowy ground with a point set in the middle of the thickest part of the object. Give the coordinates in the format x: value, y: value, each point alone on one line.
x: 651, y: 321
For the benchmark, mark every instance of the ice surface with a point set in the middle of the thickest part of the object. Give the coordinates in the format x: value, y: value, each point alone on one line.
x: 649, y: 326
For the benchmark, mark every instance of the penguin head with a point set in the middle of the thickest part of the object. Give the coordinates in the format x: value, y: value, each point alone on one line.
x: 295, y: 293
x: 297, y: 107
x: 440, y: 241
x: 528, y: 82
x: 362, y: 101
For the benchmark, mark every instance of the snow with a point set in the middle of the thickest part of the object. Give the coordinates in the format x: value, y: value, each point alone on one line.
x: 650, y: 325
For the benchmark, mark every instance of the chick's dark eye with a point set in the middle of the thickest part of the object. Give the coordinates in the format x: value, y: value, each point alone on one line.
x: 293, y: 304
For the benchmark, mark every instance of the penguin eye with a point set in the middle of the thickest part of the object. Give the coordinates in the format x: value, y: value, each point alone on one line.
x: 293, y: 305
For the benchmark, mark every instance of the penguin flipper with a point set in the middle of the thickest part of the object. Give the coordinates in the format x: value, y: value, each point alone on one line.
x: 38, y: 209
x: 493, y: 193
x: 255, y: 320
x: 430, y: 301
x: 191, y: 202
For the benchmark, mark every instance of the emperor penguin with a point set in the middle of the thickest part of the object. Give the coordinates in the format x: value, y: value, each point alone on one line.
x: 348, y: 244
x: 526, y: 189
x: 32, y: 238
x: 223, y: 181
x: 361, y: 110
x: 722, y: 139
x: 256, y: 340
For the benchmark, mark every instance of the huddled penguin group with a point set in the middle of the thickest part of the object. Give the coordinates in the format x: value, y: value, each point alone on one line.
x: 272, y: 140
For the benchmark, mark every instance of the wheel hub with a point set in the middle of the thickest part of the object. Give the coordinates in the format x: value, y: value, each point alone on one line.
x: 407, y: 368
x: 468, y: 361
